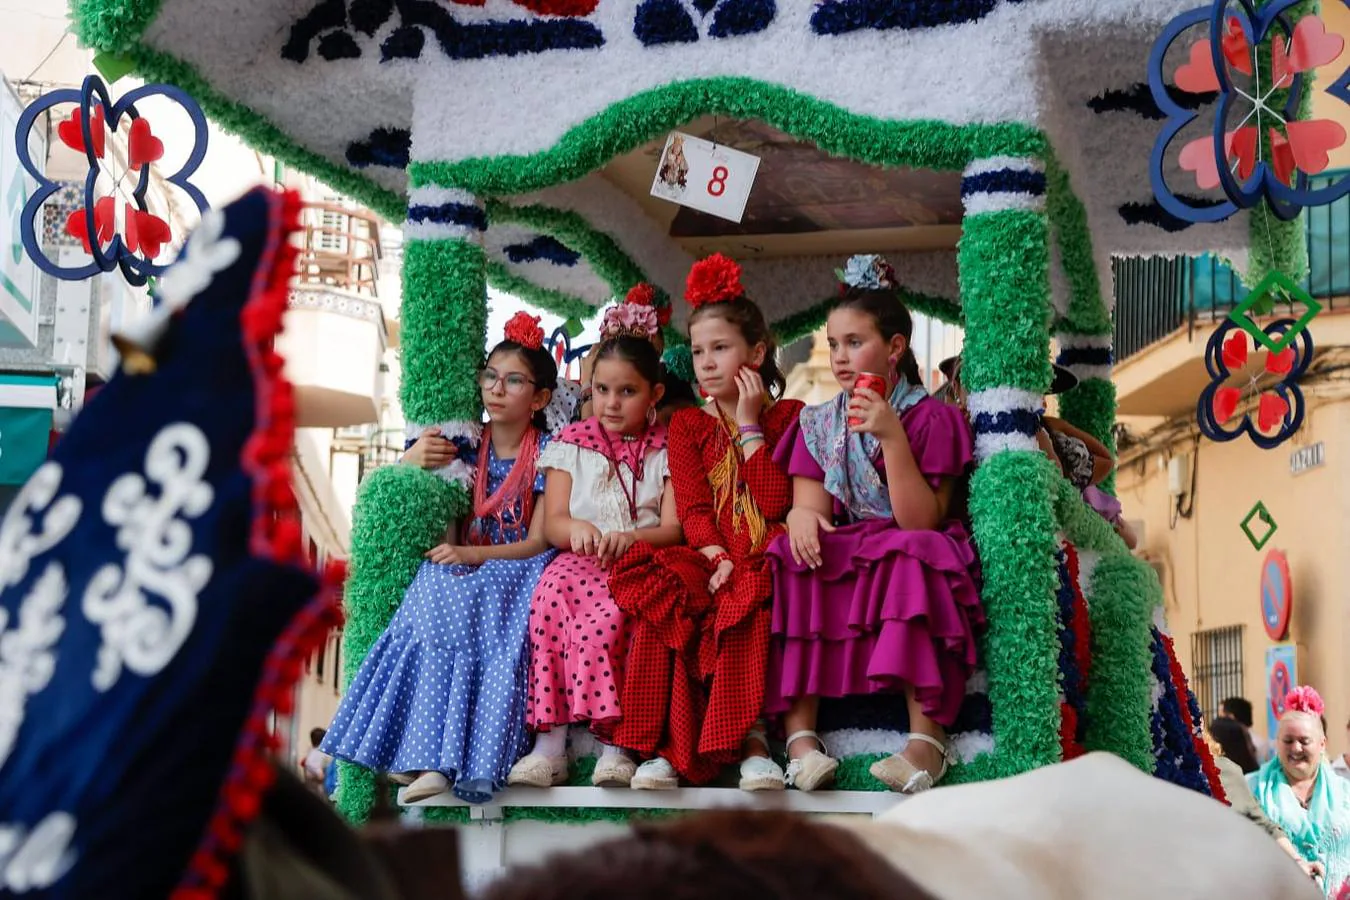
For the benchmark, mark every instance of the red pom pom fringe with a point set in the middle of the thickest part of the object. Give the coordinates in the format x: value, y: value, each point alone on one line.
x: 275, y: 536
x: 1183, y: 692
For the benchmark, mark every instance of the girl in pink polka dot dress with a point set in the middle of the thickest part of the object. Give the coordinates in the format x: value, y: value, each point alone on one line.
x: 607, y: 487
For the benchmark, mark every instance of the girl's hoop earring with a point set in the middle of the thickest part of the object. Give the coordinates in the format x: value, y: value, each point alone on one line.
x: 651, y: 415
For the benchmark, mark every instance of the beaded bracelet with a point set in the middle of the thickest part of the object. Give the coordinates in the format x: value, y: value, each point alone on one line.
x: 748, y: 439
x: 750, y: 429
x: 722, y: 557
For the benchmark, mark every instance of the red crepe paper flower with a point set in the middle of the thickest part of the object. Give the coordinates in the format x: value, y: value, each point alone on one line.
x: 1305, y: 699
x: 716, y: 279
x: 524, y: 330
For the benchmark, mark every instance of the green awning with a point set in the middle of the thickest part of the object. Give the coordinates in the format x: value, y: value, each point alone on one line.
x: 23, y: 442
x: 26, y: 403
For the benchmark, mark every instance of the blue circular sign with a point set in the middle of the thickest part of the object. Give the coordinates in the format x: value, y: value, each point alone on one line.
x: 1277, y: 595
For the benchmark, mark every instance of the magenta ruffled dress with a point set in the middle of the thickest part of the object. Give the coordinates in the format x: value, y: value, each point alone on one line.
x: 888, y: 607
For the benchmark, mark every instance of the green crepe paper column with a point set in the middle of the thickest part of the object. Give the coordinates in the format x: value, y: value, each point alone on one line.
x: 1004, y: 270
x: 1121, y: 598
x: 1276, y: 245
x: 1091, y: 405
x: 444, y: 324
x: 401, y: 512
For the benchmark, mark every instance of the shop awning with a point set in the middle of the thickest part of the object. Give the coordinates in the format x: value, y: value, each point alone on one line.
x: 26, y: 403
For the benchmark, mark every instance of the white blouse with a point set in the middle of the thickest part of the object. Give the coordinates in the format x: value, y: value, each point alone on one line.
x: 597, y: 496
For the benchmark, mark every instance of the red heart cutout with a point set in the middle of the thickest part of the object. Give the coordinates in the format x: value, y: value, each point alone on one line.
x: 1270, y: 412
x: 1281, y: 157
x: 1281, y: 363
x: 1279, y: 61
x: 1312, y: 140
x: 104, y: 226
x: 1225, y: 403
x: 71, y: 131
x: 152, y: 232
x: 1235, y: 351
x: 1235, y: 47
x: 1198, y: 157
x: 1197, y: 75
x: 1242, y: 145
x: 1311, y: 46
x: 142, y: 146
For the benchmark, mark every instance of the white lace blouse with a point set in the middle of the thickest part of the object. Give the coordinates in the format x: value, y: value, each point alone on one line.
x: 597, y: 496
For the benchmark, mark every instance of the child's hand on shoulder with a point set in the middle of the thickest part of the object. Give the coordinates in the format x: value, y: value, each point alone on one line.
x: 874, y: 416
x: 613, y: 544
x: 584, y: 537
x: 450, y: 555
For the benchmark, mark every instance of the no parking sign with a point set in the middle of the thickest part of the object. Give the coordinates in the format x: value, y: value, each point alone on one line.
x: 1281, y: 677
x: 1277, y: 595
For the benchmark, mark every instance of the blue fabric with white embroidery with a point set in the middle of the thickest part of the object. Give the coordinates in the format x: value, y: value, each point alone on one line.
x: 443, y: 689
x: 141, y: 622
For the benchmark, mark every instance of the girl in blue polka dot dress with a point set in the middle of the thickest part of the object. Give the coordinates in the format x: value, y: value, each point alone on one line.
x: 440, y: 699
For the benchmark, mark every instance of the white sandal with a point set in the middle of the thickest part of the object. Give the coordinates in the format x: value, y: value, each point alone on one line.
x: 812, y: 771
x: 761, y: 773
x: 655, y: 775
x: 899, y: 774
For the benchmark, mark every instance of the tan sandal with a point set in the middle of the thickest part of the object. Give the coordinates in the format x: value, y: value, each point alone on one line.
x: 537, y: 770
x: 899, y: 774
x: 613, y: 770
x: 425, y: 786
x: 812, y: 771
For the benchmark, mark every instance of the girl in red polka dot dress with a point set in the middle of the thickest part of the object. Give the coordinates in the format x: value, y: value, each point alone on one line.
x: 694, y: 684
x: 607, y: 488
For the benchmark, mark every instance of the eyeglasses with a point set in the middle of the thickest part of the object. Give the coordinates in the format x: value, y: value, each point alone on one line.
x: 515, y: 382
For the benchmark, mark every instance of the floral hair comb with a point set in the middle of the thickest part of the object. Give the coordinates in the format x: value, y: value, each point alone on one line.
x: 867, y: 271
x: 630, y: 320
x: 524, y: 330
x: 643, y: 294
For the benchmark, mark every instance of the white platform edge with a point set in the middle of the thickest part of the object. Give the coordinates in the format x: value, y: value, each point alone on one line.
x: 694, y: 799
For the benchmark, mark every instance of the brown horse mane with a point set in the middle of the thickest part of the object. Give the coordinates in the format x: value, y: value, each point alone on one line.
x: 722, y: 855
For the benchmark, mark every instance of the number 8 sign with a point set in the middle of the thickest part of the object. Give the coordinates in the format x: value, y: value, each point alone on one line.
x: 705, y: 176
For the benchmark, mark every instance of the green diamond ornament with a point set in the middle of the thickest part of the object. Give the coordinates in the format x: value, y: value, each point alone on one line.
x: 1260, y: 512
x: 1261, y: 300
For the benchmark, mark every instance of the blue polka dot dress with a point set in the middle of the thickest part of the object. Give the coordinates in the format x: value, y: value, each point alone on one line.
x: 444, y: 688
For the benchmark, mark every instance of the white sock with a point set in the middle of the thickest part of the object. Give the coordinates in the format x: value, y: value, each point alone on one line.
x: 610, y: 749
x: 552, y: 744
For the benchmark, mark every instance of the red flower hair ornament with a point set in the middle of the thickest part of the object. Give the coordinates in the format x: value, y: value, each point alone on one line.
x: 524, y: 330
x: 643, y: 294
x: 1305, y: 699
x: 716, y: 279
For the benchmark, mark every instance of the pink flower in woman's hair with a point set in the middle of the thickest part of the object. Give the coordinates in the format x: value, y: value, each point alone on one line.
x: 1305, y: 699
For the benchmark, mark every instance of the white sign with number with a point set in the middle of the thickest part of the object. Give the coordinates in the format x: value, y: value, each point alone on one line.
x: 709, y: 177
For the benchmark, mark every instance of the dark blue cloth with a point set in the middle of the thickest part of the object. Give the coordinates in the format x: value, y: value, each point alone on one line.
x: 137, y: 614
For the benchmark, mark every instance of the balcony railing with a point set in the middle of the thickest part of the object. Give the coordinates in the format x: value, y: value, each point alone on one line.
x: 1157, y: 297
x: 341, y: 247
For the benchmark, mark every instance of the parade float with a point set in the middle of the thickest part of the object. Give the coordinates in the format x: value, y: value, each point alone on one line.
x: 999, y: 152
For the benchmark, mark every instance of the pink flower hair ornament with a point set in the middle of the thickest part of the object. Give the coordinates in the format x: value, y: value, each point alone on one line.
x: 1305, y: 699
x: 630, y: 320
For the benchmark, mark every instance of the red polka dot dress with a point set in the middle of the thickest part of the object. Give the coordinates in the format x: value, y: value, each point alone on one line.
x: 695, y: 674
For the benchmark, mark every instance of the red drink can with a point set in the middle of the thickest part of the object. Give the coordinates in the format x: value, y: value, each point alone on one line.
x: 871, y: 382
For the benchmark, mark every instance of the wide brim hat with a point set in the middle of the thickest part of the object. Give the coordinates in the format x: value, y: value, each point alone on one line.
x: 154, y: 585
x: 1063, y: 380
